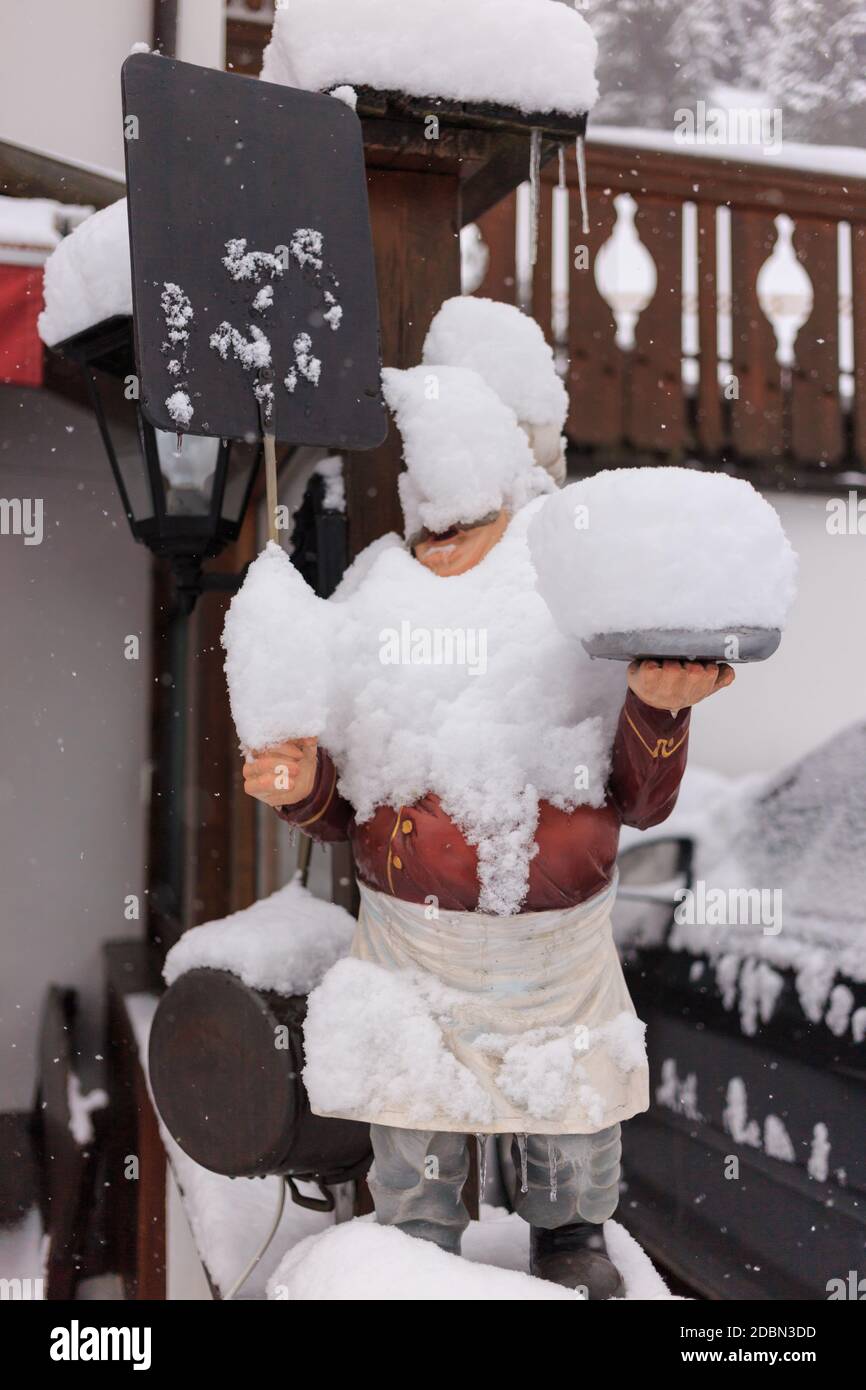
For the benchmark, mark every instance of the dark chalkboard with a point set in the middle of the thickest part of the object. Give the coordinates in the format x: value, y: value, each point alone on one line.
x: 250, y: 237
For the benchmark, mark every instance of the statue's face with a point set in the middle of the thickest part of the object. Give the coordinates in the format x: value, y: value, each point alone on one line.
x: 460, y: 548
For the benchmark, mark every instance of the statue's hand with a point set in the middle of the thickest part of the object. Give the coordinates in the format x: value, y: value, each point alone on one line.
x: 675, y: 685
x: 282, y: 775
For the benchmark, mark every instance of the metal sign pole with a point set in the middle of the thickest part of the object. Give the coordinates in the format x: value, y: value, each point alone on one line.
x: 271, y: 483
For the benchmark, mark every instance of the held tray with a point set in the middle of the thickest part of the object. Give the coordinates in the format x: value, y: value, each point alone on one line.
x: 685, y: 644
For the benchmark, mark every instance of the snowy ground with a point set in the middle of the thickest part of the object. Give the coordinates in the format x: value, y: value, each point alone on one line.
x: 362, y: 1261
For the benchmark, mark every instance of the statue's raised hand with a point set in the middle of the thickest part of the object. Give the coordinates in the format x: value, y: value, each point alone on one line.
x: 282, y: 775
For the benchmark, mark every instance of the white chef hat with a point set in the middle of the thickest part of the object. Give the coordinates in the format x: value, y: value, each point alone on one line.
x: 466, y: 456
x: 508, y: 349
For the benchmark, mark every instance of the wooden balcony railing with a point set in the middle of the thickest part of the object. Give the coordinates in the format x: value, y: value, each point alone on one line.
x: 704, y: 377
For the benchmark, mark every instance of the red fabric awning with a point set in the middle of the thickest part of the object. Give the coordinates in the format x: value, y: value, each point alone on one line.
x: 20, y: 306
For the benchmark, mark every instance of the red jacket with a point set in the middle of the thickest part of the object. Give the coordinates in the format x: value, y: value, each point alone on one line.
x: 417, y: 851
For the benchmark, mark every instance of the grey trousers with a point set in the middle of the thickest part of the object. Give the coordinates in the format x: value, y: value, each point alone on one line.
x: 417, y: 1179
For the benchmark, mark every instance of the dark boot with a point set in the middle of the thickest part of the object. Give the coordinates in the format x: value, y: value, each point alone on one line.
x: 576, y: 1257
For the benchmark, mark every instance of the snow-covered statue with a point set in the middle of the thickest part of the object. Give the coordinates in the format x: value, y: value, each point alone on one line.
x: 481, y: 768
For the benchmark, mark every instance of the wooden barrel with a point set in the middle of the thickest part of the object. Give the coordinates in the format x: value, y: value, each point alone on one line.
x: 225, y: 1069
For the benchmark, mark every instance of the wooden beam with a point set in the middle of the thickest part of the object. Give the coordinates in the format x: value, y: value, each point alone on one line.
x: 816, y: 408
x: 417, y: 248
x: 745, y: 184
x: 26, y: 173
x: 165, y: 25
x: 508, y: 167
x: 757, y: 409
x: 655, y: 400
x: 709, y: 414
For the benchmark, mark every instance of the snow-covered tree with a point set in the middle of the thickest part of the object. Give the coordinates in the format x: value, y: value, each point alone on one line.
x: 807, y: 57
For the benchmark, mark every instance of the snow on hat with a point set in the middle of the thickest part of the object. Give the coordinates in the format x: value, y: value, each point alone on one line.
x: 466, y: 456
x: 507, y: 348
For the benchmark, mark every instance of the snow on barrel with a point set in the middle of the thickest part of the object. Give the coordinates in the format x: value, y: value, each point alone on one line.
x: 649, y: 550
x: 277, y: 639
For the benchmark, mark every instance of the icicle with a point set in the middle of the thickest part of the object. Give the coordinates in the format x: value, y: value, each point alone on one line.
x: 521, y: 1149
x: 534, y: 194
x: 561, y: 153
x: 481, y: 1141
x: 552, y: 1168
x: 581, y: 183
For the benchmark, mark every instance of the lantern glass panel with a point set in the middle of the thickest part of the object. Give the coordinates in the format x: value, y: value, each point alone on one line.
x: 188, y: 466
x: 130, y: 465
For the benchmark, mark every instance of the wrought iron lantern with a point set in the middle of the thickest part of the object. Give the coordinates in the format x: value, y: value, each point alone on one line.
x: 185, y: 497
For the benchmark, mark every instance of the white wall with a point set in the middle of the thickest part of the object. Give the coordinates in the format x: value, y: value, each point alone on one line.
x: 73, y: 725
x: 815, y: 685
x: 60, y: 66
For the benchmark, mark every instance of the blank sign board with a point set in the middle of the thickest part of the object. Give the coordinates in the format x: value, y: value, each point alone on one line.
x: 253, y: 280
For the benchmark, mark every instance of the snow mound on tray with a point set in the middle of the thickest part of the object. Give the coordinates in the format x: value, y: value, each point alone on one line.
x: 278, y: 654
x: 360, y: 1260
x: 504, y: 346
x: 531, y: 54
x: 285, y: 943
x: 88, y: 276
x: 639, y: 548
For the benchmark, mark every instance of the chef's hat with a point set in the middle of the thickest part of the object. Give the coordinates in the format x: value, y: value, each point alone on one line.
x: 466, y: 456
x: 504, y: 346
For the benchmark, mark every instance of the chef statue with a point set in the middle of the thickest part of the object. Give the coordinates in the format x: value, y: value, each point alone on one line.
x: 487, y: 880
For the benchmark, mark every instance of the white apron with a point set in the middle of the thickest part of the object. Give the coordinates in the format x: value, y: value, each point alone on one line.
x: 534, y: 1008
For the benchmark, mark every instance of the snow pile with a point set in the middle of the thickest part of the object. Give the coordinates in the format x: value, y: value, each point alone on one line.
x: 531, y: 54
x: 284, y: 943
x: 507, y: 348
x: 278, y: 643
x: 30, y: 225
x: 362, y: 1261
x: 509, y: 716
x: 387, y: 1052
x: 800, y: 834
x: 88, y: 276
x: 541, y: 1070
x: 388, y: 1042
x: 465, y: 453
x: 633, y: 549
